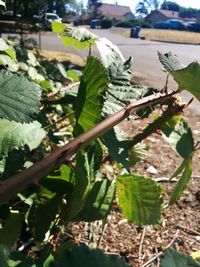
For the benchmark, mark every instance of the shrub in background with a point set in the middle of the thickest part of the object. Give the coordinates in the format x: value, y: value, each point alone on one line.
x: 132, y: 23
x: 106, y: 23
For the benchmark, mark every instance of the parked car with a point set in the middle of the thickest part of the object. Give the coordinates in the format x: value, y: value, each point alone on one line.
x: 161, y: 25
x: 176, y: 24
x: 193, y: 27
x: 48, y: 18
x: 173, y: 24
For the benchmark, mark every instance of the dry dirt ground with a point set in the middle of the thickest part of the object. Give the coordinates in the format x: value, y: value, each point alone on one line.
x: 138, y: 245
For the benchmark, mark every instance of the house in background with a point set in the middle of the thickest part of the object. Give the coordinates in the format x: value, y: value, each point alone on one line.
x: 116, y: 12
x: 161, y: 15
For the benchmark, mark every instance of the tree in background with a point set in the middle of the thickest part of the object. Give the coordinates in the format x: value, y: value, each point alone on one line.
x: 93, y: 7
x: 27, y: 8
x: 144, y: 7
x: 189, y: 12
x: 170, y: 5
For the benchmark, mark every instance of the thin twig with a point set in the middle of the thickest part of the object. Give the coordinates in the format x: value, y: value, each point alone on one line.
x: 141, y: 242
x: 59, y: 120
x: 165, y: 180
x: 161, y: 252
x: 62, y: 89
x: 104, y: 227
x: 188, y: 230
x: 195, y: 177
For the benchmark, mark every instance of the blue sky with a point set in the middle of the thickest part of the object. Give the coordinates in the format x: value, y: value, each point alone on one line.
x: 132, y: 3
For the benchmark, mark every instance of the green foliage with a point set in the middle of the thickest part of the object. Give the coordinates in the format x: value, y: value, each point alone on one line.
x: 170, y: 62
x: 185, y: 170
x: 79, y: 187
x: 20, y: 98
x: 15, y: 135
x: 82, y: 256
x: 42, y: 213
x: 172, y: 258
x: 188, y: 78
x: 106, y: 23
x: 118, y: 149
x: 178, y: 134
x: 124, y: 24
x: 13, y: 259
x: 78, y: 37
x: 7, y: 49
x: 11, y: 229
x: 140, y: 199
x: 90, y: 100
x: 99, y: 202
x: 4, y: 255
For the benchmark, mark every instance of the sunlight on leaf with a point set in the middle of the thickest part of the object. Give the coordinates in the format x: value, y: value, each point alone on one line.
x: 19, y: 98
x: 15, y: 135
x: 188, y: 78
x: 140, y: 199
x: 178, y: 134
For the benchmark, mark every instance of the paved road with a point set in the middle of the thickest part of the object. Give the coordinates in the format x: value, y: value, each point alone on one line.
x: 146, y: 67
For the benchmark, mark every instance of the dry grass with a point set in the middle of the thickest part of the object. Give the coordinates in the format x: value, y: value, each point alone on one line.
x: 167, y: 35
x: 61, y: 56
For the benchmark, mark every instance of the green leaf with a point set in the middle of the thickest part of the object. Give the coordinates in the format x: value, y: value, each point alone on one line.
x: 82, y: 186
x: 20, y: 260
x: 137, y: 153
x: 11, y: 229
x: 95, y: 157
x: 23, y: 66
x: 120, y: 75
x: 7, y: 49
x: 118, y: 149
x: 183, y: 180
x: 99, y: 202
x: 140, y: 199
x: 170, y: 62
x: 4, y: 256
x: 83, y: 256
x: 58, y: 27
x: 32, y: 60
x: 42, y: 214
x: 8, y: 63
x: 179, y: 170
x: 178, y: 134
x: 34, y: 75
x: 188, y: 78
x: 109, y: 52
x: 172, y: 258
x: 19, y: 98
x: 90, y: 100
x: 62, y: 182
x: 80, y: 38
x: 13, y: 163
x: 15, y: 135
x: 74, y: 75
x: 62, y: 70
x: 49, y: 262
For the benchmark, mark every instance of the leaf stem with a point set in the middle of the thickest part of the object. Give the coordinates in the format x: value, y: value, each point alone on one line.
x: 157, y: 124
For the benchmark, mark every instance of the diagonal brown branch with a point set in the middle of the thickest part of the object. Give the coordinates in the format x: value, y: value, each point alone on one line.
x: 20, y: 181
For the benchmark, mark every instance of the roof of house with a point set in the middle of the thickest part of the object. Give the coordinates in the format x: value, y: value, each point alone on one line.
x: 114, y: 10
x: 169, y: 13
